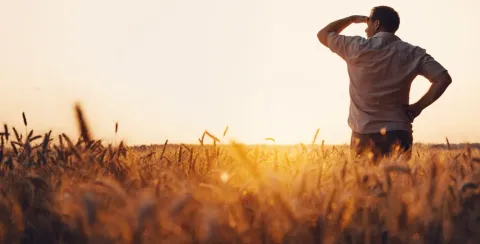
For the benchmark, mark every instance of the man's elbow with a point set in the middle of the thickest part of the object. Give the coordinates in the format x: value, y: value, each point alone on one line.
x: 322, y: 37
x: 444, y: 79
x: 448, y: 79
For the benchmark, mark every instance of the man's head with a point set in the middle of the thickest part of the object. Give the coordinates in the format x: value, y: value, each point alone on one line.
x: 382, y: 18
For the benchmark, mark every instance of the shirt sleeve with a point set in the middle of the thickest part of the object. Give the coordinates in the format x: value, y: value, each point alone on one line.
x: 429, y: 67
x: 343, y: 46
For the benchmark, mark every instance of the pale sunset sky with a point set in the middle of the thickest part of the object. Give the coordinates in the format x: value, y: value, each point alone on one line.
x: 170, y: 69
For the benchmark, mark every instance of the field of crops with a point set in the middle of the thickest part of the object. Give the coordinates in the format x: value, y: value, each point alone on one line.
x: 54, y: 189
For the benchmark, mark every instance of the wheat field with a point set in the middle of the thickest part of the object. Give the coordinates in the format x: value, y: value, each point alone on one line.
x: 54, y: 189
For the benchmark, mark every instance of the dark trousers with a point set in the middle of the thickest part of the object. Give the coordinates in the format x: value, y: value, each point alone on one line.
x: 382, y: 144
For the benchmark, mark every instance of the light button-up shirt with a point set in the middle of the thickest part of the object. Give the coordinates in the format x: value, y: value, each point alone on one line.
x: 381, y: 70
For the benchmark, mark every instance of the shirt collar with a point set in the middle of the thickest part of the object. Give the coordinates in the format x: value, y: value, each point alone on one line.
x: 383, y: 34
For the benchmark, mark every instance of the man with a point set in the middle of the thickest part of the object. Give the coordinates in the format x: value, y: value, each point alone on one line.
x: 381, y: 68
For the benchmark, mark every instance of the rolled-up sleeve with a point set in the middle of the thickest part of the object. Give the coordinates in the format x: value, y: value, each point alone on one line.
x: 343, y: 46
x: 429, y: 67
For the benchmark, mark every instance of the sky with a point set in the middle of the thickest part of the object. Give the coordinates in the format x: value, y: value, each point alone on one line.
x: 171, y: 69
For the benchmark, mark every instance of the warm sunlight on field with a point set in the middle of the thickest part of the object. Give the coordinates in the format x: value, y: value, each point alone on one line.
x: 218, y: 122
x: 55, y: 189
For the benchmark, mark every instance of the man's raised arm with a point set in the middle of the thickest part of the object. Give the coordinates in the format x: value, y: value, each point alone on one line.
x: 338, y: 26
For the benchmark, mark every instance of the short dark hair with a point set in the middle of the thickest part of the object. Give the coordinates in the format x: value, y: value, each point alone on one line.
x: 388, y: 17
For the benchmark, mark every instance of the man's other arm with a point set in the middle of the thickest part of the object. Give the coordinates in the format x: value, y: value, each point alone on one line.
x: 440, y: 79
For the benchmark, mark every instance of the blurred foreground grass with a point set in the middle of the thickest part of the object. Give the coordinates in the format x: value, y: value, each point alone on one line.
x: 59, y: 190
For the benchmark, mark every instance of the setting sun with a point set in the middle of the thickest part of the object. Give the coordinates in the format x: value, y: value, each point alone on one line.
x: 173, y: 69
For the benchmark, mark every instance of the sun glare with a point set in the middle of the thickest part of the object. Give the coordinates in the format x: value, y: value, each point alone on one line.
x: 224, y: 177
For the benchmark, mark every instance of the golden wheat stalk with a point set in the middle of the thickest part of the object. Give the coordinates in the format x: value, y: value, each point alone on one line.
x: 18, y: 136
x: 116, y: 132
x: 72, y: 147
x: 82, y: 124
x: 2, y: 145
x: 164, y: 148
x: 270, y: 139
x: 7, y: 134
x: 25, y: 122
x: 203, y: 137
x: 214, y: 138
x: 225, y: 131
x: 315, y: 136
